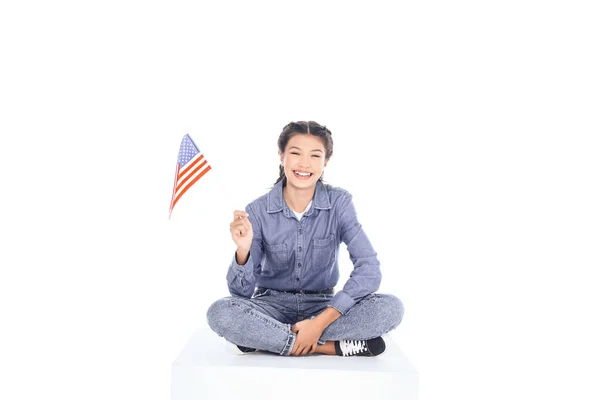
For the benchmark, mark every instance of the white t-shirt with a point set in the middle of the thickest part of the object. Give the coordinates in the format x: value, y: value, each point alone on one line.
x: 299, y: 215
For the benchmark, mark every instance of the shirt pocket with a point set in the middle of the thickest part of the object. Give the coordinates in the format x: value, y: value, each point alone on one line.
x: 277, y: 258
x: 323, y: 252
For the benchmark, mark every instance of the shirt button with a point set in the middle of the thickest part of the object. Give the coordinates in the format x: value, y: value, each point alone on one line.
x: 299, y: 230
x: 299, y: 264
x: 300, y: 249
x: 297, y: 279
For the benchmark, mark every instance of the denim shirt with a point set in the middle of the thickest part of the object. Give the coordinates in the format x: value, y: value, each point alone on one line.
x: 291, y: 254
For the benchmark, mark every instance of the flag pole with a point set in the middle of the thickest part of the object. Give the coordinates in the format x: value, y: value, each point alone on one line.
x: 174, y: 189
x: 225, y: 193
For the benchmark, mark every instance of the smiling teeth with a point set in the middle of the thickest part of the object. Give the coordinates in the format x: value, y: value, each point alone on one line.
x: 302, y: 173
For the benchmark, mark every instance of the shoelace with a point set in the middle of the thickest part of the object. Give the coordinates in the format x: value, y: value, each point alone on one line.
x: 351, y: 347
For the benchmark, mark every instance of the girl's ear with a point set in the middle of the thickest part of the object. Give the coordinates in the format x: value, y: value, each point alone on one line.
x: 281, y: 158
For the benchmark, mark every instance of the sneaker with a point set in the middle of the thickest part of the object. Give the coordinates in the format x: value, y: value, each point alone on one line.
x: 246, y: 349
x: 238, y: 350
x: 369, y: 348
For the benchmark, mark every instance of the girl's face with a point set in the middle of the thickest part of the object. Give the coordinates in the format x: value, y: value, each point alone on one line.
x: 303, y: 160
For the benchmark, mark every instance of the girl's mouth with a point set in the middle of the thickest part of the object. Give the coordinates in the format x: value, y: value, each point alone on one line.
x: 302, y: 175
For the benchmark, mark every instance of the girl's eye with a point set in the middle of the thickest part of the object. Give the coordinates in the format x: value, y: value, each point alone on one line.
x: 316, y: 156
x: 293, y: 152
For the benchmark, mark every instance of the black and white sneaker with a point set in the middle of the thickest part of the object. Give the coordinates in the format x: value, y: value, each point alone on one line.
x: 369, y: 348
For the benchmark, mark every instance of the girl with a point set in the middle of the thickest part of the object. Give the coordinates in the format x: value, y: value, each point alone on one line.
x: 285, y: 267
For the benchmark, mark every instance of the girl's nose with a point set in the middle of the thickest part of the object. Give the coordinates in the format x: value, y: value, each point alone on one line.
x: 304, y: 162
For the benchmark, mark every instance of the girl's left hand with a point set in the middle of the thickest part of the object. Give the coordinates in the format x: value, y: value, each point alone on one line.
x: 307, y: 333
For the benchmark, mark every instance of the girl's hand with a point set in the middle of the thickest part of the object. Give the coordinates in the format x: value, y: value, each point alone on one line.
x: 308, y: 332
x: 241, y: 230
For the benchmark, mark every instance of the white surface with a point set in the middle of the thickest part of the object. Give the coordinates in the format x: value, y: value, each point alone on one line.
x: 208, y: 367
x: 480, y: 117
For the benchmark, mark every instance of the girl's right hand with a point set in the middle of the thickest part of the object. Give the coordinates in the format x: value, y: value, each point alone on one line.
x: 241, y: 230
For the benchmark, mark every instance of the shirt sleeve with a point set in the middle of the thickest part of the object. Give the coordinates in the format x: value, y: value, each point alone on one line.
x: 241, y: 279
x: 366, y: 275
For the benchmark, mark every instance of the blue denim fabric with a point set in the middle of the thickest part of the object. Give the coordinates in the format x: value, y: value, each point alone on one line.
x: 264, y: 321
x: 287, y: 254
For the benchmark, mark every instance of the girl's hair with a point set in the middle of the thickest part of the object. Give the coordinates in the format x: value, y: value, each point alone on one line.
x: 304, y: 127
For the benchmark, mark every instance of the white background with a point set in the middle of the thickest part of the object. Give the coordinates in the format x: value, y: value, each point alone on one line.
x: 465, y: 130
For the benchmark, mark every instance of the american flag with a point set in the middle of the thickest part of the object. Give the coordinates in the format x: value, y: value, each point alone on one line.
x: 191, y: 166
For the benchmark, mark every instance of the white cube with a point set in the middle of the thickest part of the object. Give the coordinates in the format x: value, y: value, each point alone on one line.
x: 210, y: 368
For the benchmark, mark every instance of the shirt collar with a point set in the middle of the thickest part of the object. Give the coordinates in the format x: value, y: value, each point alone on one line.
x: 276, y: 203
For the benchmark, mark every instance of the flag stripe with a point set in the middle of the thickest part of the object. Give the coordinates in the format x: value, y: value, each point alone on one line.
x: 189, y: 180
x: 187, y: 170
x: 190, y: 175
x: 204, y: 171
x: 190, y: 164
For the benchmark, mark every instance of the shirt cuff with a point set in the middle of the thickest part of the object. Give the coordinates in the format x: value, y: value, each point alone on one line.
x: 342, y: 302
x: 238, y: 271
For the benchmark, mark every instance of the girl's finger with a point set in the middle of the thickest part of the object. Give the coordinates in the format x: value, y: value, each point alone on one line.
x: 246, y: 222
x: 236, y: 227
x: 239, y: 227
x: 237, y: 214
x: 236, y: 224
x: 238, y: 231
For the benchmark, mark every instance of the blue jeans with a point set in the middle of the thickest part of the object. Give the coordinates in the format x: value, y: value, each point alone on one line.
x: 264, y: 321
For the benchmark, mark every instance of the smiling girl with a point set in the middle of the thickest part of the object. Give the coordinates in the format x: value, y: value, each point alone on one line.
x: 285, y: 268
